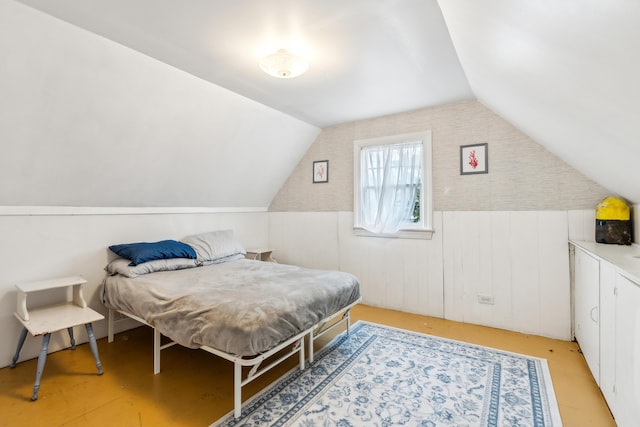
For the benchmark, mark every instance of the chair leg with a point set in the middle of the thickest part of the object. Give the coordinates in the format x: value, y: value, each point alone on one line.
x: 41, y: 361
x: 23, y: 336
x: 94, y: 347
x: 71, y: 339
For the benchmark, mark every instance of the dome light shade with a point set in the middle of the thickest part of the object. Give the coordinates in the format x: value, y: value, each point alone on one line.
x: 284, y: 65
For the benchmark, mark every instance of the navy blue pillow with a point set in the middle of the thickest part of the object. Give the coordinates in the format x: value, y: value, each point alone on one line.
x: 141, y: 252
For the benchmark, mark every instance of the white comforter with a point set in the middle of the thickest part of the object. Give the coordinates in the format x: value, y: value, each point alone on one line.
x: 240, y: 307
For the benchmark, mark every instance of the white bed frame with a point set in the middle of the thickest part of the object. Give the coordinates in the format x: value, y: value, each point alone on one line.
x: 296, y: 343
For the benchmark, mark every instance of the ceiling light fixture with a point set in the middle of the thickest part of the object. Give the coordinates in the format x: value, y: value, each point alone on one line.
x: 284, y: 64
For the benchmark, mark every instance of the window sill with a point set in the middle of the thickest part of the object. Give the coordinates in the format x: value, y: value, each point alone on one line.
x: 402, y: 234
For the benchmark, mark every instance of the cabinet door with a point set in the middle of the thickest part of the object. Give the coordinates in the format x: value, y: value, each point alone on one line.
x: 627, y: 406
x: 608, y: 298
x: 586, y: 303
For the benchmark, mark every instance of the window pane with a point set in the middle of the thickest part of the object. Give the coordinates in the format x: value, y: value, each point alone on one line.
x: 391, y: 183
x: 393, y: 193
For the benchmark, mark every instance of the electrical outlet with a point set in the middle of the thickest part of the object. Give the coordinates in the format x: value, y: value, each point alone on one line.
x: 485, y: 299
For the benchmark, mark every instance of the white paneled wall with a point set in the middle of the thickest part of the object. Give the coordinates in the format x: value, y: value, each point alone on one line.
x: 50, y: 245
x: 400, y: 274
x: 310, y: 239
x: 469, y: 263
x: 519, y: 259
x: 582, y: 225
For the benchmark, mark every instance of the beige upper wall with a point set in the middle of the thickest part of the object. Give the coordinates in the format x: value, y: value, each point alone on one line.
x: 522, y: 174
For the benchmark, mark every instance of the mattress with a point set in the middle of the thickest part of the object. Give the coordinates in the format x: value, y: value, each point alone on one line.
x: 241, y: 307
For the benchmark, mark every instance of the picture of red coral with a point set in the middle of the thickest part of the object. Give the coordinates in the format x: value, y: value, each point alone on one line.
x: 474, y: 159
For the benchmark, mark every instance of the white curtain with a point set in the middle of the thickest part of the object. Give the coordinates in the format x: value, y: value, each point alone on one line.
x: 390, y: 176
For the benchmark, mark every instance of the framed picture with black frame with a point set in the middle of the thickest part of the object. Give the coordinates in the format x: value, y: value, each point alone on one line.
x: 320, y: 171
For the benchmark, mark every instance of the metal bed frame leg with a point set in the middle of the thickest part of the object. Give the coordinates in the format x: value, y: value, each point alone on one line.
x: 239, y: 362
x: 311, y: 347
x: 110, y: 325
x: 237, y: 389
x: 320, y: 328
x: 157, y: 337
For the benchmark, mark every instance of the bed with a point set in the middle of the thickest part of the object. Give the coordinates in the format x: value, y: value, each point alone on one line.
x: 245, y: 311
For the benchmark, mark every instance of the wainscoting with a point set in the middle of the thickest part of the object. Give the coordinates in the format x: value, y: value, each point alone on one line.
x: 517, y: 261
x: 44, y: 243
x: 402, y: 274
x: 520, y: 259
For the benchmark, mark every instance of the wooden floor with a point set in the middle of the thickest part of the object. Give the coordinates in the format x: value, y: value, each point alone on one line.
x: 195, y: 387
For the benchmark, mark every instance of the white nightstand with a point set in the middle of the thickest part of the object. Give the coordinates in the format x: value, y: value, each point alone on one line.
x: 261, y: 254
x: 45, y: 320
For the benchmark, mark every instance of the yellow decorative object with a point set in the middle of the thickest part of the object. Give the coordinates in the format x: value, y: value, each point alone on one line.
x: 613, y: 208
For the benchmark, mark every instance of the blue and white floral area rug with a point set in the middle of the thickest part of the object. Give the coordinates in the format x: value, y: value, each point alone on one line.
x: 382, y: 376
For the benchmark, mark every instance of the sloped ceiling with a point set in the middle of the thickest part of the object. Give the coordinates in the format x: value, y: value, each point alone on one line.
x: 367, y: 58
x: 85, y: 121
x: 563, y: 72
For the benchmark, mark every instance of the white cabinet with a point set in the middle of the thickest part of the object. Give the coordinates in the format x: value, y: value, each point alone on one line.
x: 627, y: 355
x: 587, y: 307
x: 607, y: 323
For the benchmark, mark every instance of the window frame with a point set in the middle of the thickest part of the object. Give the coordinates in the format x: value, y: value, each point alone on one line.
x: 422, y: 231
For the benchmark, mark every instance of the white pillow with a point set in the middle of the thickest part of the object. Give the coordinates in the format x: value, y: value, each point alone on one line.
x: 121, y: 266
x: 214, y: 245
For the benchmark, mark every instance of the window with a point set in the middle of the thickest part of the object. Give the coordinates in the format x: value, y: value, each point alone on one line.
x: 392, y: 186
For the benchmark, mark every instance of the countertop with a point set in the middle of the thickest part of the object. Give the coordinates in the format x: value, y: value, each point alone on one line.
x: 626, y: 258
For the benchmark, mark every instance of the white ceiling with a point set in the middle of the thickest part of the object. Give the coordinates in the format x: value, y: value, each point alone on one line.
x: 367, y: 57
x: 565, y: 72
